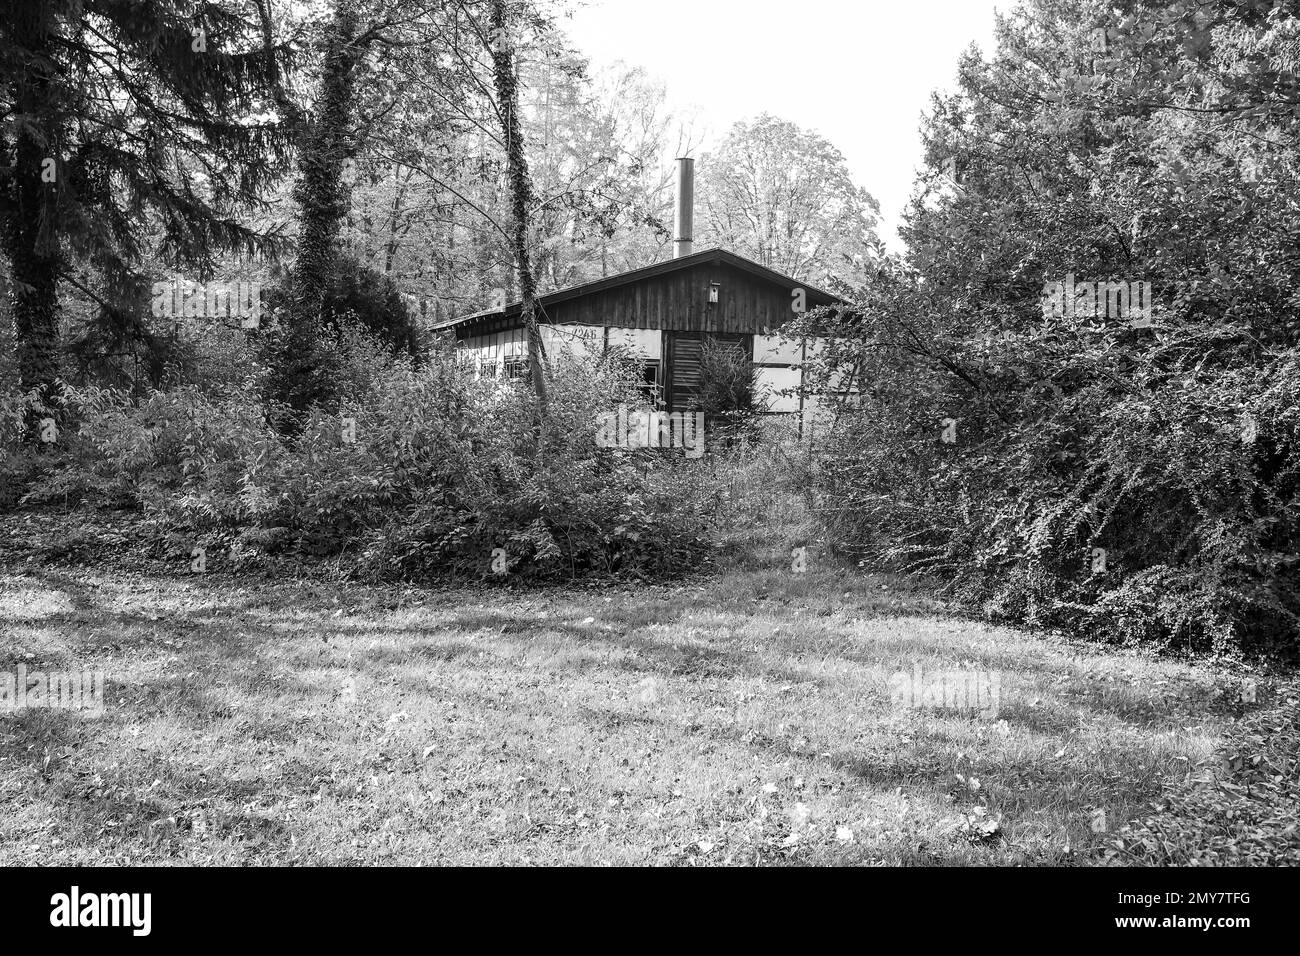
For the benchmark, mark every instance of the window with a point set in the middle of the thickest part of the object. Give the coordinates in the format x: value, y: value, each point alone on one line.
x: 651, y: 385
x: 517, y: 366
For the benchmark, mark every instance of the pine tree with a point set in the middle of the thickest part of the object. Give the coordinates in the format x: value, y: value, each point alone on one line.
x: 130, y: 126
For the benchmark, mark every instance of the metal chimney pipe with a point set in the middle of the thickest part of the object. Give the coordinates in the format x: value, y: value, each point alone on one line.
x: 684, y: 228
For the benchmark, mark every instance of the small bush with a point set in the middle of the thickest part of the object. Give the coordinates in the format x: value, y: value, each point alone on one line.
x: 730, y: 395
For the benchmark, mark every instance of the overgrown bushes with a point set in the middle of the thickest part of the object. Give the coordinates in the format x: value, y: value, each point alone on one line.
x: 423, y: 471
x: 1117, y: 497
x: 1079, y: 382
x: 730, y: 395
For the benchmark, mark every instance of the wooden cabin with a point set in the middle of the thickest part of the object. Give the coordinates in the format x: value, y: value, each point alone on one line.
x: 663, y: 313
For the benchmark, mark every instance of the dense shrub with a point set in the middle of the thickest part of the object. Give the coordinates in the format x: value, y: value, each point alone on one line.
x: 1124, y: 455
x: 422, y: 471
x: 730, y: 395
x: 307, y: 354
x: 1133, y: 500
x: 20, y: 464
x: 357, y: 299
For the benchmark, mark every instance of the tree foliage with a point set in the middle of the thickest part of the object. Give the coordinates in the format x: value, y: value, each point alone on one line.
x: 783, y: 196
x: 129, y: 126
x: 1099, y: 468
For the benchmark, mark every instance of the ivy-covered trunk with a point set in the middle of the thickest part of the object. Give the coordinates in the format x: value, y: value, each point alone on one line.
x: 320, y: 190
x: 303, y: 356
x: 521, y: 192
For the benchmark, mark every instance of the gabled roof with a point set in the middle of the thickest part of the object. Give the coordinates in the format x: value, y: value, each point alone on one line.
x: 815, y: 296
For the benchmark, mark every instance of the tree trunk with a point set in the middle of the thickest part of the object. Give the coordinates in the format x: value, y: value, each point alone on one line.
x: 521, y: 191
x: 27, y: 212
x: 320, y: 190
x: 399, y: 193
x: 303, y: 356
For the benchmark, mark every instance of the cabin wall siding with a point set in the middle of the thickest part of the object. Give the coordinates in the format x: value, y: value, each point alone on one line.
x: 676, y: 301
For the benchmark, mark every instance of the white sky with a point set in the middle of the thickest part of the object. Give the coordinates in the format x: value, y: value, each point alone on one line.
x: 857, y: 71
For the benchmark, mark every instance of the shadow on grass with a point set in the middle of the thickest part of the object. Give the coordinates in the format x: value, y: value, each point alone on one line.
x: 240, y: 675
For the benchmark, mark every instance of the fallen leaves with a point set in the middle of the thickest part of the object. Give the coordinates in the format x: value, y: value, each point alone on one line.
x: 979, y: 826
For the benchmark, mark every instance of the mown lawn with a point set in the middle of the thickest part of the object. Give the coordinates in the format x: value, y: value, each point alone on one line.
x: 743, y: 719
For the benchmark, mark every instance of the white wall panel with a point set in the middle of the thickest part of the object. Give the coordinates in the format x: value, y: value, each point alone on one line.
x: 647, y: 343
x: 778, y: 380
x: 777, y: 349
x: 575, y: 339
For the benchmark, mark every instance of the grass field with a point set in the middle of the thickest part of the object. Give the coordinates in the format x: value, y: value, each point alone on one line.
x: 746, y: 718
